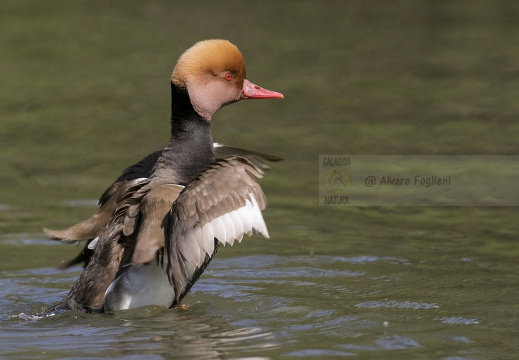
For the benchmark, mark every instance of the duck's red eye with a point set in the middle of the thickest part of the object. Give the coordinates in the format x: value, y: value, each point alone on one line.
x: 228, y: 76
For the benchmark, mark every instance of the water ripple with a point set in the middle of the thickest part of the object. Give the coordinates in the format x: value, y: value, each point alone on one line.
x: 459, y: 321
x: 396, y: 304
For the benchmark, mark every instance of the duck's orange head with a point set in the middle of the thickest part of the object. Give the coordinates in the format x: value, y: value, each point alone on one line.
x: 213, y: 73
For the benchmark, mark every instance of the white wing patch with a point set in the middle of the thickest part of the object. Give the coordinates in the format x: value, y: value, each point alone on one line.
x: 233, y: 225
x: 226, y: 228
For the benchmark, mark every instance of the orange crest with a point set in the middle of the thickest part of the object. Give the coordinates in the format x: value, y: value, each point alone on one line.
x: 209, y: 56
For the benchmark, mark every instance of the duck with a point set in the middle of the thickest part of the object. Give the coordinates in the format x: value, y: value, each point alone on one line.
x: 162, y: 221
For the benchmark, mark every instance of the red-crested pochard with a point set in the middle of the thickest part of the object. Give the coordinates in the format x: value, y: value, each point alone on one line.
x: 160, y: 223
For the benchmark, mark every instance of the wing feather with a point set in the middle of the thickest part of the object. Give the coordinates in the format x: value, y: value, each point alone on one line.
x: 238, y: 225
x: 229, y: 229
x: 219, y: 230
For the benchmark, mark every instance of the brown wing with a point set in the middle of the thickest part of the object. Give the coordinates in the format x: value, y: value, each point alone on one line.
x: 220, y: 205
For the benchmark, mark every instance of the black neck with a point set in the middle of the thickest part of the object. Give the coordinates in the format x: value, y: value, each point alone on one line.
x: 190, y: 149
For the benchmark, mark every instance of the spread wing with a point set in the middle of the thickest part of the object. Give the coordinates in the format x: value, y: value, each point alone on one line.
x: 219, y: 206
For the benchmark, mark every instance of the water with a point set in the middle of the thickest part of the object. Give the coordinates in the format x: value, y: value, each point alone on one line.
x: 85, y: 93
